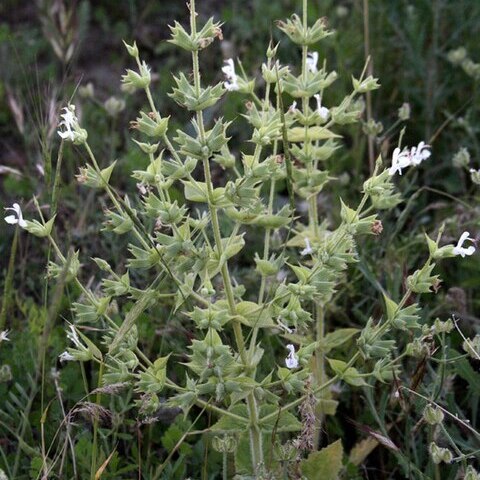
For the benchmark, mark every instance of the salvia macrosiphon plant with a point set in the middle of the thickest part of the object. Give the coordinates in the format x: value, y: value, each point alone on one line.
x: 268, y: 406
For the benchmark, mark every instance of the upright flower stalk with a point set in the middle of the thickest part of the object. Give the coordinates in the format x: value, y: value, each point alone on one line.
x: 256, y: 442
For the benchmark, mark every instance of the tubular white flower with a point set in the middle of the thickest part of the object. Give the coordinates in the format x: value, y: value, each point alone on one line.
x: 231, y: 84
x: 419, y: 153
x: 312, y: 60
x: 324, y: 112
x: 69, y: 121
x: 71, y: 128
x: 4, y: 336
x: 400, y: 159
x: 459, y: 250
x: 409, y: 157
x: 284, y: 327
x: 73, y: 336
x: 17, y: 218
x: 292, y: 359
x: 66, y: 357
x: 308, y: 249
x: 293, y: 106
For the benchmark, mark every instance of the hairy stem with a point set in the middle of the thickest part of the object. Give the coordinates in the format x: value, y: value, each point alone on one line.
x: 256, y: 447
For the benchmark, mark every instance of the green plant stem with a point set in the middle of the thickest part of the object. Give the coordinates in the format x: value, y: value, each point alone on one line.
x: 225, y: 466
x: 7, y: 288
x: 366, y: 40
x: 256, y: 446
x: 319, y: 367
x: 268, y: 231
x: 93, y: 468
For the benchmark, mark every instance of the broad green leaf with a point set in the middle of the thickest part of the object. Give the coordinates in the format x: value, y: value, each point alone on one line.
x: 253, y: 315
x: 228, y: 424
x: 337, y: 338
x: 362, y: 450
x: 297, y: 134
x: 327, y: 406
x: 141, y: 304
x: 350, y: 375
x: 324, y: 464
x: 466, y: 371
x: 283, y: 422
x: 197, y: 192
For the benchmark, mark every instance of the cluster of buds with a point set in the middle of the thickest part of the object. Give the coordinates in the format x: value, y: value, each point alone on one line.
x: 439, y: 454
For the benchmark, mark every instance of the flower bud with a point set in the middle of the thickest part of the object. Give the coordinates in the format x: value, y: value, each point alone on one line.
x: 131, y: 49
x: 87, y: 91
x: 471, y: 474
x: 272, y: 50
x: 227, y: 444
x: 433, y: 415
x: 457, y: 56
x: 475, y: 176
x: 471, y: 68
x: 151, y: 124
x: 373, y: 128
x: 404, y: 112
x: 443, y: 327
x: 5, y: 376
x: 102, y: 264
x: 417, y: 348
x: 141, y: 79
x: 462, y: 158
x: 38, y: 229
x: 472, y: 347
x: 147, y: 147
x: 440, y: 454
x: 342, y: 11
x: 366, y: 85
x: 114, y: 106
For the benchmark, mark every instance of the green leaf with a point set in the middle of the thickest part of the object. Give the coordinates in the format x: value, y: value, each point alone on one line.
x: 324, y: 464
x: 348, y: 374
x: 197, y: 192
x: 466, y: 371
x: 131, y: 317
x: 297, y: 134
x: 253, y: 315
x: 227, y: 423
x: 337, y: 338
x: 285, y: 422
x: 338, y: 366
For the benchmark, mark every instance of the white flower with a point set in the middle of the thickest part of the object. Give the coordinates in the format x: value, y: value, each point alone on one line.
x: 400, y: 159
x: 72, y: 130
x: 409, y: 157
x: 308, y: 250
x: 73, y: 336
x: 419, y: 153
x: 65, y: 356
x: 69, y: 121
x: 293, y: 107
x: 284, y: 327
x: 4, y: 336
x: 292, y: 359
x: 18, y: 218
x: 459, y: 250
x: 312, y: 60
x: 324, y: 112
x: 231, y: 84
